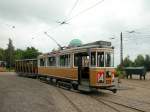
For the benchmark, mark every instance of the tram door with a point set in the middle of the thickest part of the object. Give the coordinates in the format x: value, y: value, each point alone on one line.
x: 83, y: 70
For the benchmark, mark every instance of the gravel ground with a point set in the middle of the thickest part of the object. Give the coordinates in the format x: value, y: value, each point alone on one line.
x: 19, y: 94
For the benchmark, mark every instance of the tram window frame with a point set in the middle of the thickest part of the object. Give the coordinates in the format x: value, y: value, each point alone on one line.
x: 53, y: 61
x: 85, y: 60
x: 101, y: 59
x: 65, y: 60
x: 93, y: 59
x: 110, y: 62
x: 75, y: 60
x: 43, y: 62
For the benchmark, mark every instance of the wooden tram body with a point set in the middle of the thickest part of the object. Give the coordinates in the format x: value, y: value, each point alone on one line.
x: 84, y: 68
x: 27, y: 66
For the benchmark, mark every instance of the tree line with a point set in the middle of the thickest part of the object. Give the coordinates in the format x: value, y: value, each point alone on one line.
x: 10, y: 54
x: 140, y: 60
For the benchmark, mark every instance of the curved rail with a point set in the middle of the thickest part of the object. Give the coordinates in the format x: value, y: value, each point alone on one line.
x: 70, y: 101
x: 105, y: 101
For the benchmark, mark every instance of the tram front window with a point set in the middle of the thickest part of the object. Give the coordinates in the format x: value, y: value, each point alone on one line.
x: 93, y: 59
x: 100, y: 59
x: 109, y: 61
x: 103, y: 59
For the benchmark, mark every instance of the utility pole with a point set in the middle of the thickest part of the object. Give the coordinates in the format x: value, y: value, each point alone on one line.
x: 121, y: 50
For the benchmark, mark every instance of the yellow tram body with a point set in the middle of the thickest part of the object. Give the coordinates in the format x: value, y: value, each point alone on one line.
x: 83, y: 67
x: 71, y: 71
x: 73, y: 75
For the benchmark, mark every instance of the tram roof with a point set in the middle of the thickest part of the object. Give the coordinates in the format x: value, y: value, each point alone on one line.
x: 96, y: 44
x: 27, y: 60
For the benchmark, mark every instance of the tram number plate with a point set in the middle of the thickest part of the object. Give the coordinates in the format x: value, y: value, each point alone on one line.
x: 108, y: 81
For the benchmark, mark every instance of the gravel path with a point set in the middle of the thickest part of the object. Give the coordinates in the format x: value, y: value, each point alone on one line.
x: 19, y: 94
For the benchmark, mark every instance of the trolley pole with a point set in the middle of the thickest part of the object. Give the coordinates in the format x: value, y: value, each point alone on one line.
x: 121, y: 50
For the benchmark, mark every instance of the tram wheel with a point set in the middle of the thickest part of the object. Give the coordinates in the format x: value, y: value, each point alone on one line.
x: 114, y: 90
x: 75, y: 86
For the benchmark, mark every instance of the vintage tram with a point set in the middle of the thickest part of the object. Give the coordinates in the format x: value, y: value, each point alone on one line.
x: 85, y: 67
x: 26, y: 67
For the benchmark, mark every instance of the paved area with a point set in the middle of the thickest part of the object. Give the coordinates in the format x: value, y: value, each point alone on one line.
x: 24, y: 95
x: 19, y: 94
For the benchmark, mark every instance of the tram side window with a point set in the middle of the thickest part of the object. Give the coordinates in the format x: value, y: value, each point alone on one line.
x: 75, y: 60
x: 52, y: 61
x: 81, y: 60
x: 100, y: 59
x: 93, y: 59
x: 42, y: 62
x: 109, y: 59
x: 64, y: 60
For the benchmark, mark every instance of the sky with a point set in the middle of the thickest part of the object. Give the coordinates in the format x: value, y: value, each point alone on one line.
x: 25, y: 21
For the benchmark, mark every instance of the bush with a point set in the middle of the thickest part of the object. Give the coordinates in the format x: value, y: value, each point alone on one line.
x: 119, y: 72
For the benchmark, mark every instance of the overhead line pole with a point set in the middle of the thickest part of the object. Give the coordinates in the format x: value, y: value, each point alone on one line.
x: 121, y: 49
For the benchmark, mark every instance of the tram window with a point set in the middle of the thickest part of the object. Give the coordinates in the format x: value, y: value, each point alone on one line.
x: 65, y: 60
x: 81, y: 60
x: 85, y: 61
x: 93, y: 59
x: 100, y: 59
x: 75, y: 60
x: 42, y: 62
x: 51, y: 61
x: 109, y: 59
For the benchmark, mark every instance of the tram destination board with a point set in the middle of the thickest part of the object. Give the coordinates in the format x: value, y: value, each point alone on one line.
x: 101, y: 43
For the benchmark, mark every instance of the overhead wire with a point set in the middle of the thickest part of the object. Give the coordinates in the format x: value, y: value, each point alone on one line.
x: 74, y: 6
x: 85, y: 10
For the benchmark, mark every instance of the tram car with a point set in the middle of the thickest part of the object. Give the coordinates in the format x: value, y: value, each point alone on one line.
x: 85, y: 67
x: 27, y: 67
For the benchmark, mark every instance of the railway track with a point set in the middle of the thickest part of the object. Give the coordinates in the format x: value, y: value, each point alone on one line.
x: 125, y: 103
x: 109, y: 102
x: 110, y: 106
x: 135, y: 100
x: 102, y: 101
x: 78, y: 109
x: 69, y: 100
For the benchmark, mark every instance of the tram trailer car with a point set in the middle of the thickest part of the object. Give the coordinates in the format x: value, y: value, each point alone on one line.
x: 86, y: 67
x: 27, y: 67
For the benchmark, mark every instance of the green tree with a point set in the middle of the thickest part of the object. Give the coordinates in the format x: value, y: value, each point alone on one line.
x: 19, y: 54
x: 2, y: 54
x: 127, y: 62
x: 10, y: 54
x: 30, y: 53
x: 147, y: 62
x: 139, y: 61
